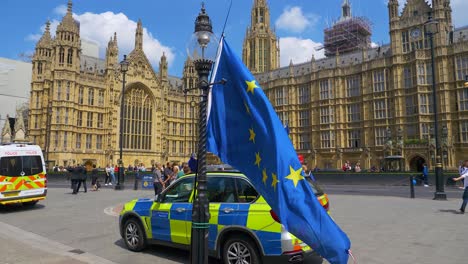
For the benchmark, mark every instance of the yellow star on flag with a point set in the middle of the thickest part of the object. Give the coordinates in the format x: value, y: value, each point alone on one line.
x: 247, y: 109
x: 295, y: 175
x: 257, y: 159
x: 252, y: 135
x: 275, y: 181
x: 251, y: 86
x: 265, y: 176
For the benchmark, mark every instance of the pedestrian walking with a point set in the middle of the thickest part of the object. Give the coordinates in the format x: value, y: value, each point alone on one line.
x: 460, y: 171
x: 107, y: 180
x: 112, y: 171
x: 80, y: 178
x: 464, y: 175
x: 74, y: 178
x: 158, y: 182
x: 94, y: 178
x: 425, y: 173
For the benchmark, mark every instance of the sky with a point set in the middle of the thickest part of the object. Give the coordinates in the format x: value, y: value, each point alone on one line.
x: 168, y: 25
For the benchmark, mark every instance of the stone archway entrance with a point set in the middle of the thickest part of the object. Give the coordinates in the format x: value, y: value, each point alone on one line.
x: 416, y: 163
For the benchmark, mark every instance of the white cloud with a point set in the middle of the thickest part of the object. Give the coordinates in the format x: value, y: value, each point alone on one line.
x: 294, y: 20
x: 299, y: 50
x: 34, y: 37
x: 101, y: 27
x: 60, y: 10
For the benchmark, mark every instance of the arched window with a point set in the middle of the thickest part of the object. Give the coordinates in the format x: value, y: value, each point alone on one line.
x: 138, y: 119
x: 39, y: 68
x: 61, y: 56
x: 70, y: 56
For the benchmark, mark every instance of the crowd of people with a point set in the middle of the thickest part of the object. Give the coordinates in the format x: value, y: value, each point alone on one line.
x: 163, y: 175
x: 347, y: 166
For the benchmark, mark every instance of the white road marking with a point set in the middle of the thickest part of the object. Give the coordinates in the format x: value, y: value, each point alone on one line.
x: 48, y: 245
x: 110, y: 210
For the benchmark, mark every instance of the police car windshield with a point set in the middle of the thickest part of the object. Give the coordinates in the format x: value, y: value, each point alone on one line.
x: 16, y: 166
x: 315, y: 187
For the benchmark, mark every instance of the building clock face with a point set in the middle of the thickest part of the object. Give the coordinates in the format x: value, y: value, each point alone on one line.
x: 416, y: 33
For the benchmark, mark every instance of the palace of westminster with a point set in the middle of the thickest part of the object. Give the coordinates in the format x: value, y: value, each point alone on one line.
x: 360, y: 103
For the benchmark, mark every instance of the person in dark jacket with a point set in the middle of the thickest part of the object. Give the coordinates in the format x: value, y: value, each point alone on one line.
x: 80, y: 175
x: 94, y: 178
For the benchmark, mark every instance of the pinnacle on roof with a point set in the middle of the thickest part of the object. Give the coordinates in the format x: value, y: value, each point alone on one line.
x: 68, y: 23
x: 46, y: 39
x: 345, y: 9
x: 139, y: 36
x: 6, y: 127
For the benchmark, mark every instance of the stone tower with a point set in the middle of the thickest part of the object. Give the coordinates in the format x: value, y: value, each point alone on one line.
x: 190, y: 76
x: 260, y: 51
x: 41, y: 85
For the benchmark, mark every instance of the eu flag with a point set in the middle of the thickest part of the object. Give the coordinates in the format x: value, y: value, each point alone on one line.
x: 245, y: 132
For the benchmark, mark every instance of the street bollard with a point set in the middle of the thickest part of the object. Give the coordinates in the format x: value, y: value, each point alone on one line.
x: 412, y: 186
x: 135, y: 186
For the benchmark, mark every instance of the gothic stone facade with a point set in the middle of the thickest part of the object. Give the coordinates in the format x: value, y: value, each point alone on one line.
x: 75, y: 103
x: 377, y: 102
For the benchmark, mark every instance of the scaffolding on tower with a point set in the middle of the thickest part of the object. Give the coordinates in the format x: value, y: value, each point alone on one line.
x: 347, y: 35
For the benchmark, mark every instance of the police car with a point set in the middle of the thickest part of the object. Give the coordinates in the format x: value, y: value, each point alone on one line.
x: 242, y: 225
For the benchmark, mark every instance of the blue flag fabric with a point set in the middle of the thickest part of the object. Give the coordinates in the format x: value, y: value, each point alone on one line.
x: 245, y: 132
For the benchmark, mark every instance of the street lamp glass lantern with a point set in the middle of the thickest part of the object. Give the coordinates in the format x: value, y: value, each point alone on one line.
x: 124, y: 64
x: 203, y: 44
x: 431, y: 26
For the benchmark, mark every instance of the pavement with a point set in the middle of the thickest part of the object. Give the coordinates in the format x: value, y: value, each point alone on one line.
x: 83, y: 229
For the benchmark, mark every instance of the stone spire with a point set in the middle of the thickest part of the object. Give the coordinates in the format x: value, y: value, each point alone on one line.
x: 163, y: 67
x: 345, y: 9
x: 68, y: 23
x: 20, y: 130
x: 139, y: 36
x: 6, y: 131
x: 46, y: 39
x: 112, y: 52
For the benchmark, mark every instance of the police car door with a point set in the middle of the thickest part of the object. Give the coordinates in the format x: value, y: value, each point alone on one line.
x: 169, y: 218
x: 223, y: 206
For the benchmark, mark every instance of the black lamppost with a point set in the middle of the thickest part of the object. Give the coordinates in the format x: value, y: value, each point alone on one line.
x: 123, y: 68
x: 432, y: 27
x: 192, y: 105
x: 202, y: 48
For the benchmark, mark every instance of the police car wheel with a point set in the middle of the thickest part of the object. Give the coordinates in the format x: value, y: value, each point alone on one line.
x: 240, y: 249
x: 32, y: 203
x: 134, y: 235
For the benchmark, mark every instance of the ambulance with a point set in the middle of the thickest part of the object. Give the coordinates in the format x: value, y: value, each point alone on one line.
x: 23, y: 177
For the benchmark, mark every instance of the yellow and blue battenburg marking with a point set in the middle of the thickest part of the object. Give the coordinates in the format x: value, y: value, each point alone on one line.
x: 171, y: 222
